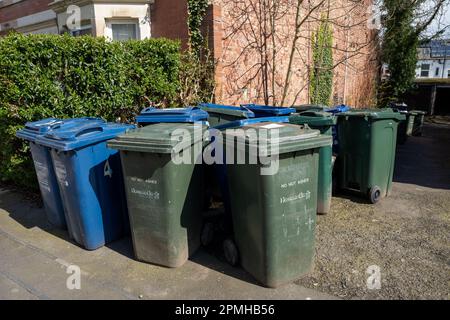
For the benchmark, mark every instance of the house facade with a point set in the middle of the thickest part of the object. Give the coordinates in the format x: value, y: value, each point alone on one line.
x: 434, y: 60
x: 244, y: 72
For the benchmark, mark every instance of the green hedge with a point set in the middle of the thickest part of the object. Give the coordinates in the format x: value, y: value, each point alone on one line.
x: 61, y: 76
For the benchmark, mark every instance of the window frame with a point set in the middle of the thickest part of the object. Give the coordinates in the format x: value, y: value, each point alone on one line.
x: 117, y: 21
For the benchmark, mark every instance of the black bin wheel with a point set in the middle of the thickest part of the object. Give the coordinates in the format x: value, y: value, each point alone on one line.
x: 231, y: 252
x: 207, y: 235
x: 375, y: 194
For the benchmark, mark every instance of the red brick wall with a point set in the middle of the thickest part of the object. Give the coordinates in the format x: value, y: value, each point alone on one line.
x: 169, y: 20
x: 22, y: 9
x: 238, y: 57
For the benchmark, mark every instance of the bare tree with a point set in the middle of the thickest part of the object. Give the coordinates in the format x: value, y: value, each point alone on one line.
x: 272, y: 40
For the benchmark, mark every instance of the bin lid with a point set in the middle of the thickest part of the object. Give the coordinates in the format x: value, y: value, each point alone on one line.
x: 270, y: 110
x: 306, y: 107
x: 160, y: 138
x: 338, y: 109
x: 177, y: 115
x: 418, y: 112
x: 376, y: 114
x: 240, y: 111
x: 37, y: 128
x: 71, y: 136
x: 290, y: 138
x: 314, y: 118
x: 246, y: 122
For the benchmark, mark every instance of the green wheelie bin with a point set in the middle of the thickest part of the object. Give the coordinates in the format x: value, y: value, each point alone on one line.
x: 324, y: 122
x: 164, y: 188
x: 366, y: 157
x: 402, y: 131
x: 273, y: 199
x: 310, y: 107
x: 419, y: 119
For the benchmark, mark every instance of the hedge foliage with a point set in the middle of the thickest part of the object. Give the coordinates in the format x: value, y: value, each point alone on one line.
x: 45, y: 76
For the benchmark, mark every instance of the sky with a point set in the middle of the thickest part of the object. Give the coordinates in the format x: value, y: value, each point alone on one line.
x: 441, y: 22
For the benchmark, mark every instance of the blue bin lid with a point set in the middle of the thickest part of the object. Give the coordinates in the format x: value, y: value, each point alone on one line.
x: 176, y: 115
x: 37, y: 128
x: 70, y: 136
x: 246, y: 122
x: 223, y: 109
x: 270, y: 110
x: 339, y: 109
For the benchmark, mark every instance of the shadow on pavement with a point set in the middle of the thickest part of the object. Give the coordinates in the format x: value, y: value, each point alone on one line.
x: 425, y: 161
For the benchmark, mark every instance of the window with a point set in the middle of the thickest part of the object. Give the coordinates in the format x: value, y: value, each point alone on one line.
x: 425, y: 70
x: 436, y: 74
x: 448, y: 73
x: 124, y: 31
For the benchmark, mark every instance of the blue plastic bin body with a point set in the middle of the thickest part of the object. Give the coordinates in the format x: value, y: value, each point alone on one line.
x: 269, y: 111
x: 89, y: 175
x: 178, y: 115
x: 221, y: 169
x: 43, y: 164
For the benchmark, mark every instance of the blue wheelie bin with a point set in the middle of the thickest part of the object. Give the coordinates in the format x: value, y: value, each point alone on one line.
x: 177, y: 115
x: 43, y: 164
x: 89, y: 176
x: 269, y: 111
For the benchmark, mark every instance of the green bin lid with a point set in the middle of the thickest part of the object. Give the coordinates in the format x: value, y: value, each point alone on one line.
x: 313, y: 118
x: 290, y: 138
x: 160, y: 138
x: 376, y: 114
x: 418, y: 112
x: 306, y: 107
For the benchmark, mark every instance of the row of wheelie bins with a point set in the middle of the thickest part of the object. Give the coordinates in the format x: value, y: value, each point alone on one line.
x: 273, y: 166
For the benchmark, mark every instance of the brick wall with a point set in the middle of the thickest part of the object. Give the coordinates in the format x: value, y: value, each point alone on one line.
x: 22, y: 9
x: 169, y: 20
x: 239, y: 58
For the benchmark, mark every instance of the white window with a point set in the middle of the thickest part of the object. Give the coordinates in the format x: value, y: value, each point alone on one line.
x: 448, y: 73
x: 425, y: 70
x: 124, y: 31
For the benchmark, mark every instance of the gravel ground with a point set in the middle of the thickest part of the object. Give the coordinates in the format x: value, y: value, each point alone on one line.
x: 406, y: 235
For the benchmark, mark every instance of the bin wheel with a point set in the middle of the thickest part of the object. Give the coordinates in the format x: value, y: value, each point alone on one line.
x: 375, y: 194
x: 207, y: 235
x: 231, y: 252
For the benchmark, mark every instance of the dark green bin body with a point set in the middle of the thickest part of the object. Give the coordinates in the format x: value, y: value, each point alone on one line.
x: 366, y: 158
x: 274, y: 216
x: 324, y: 122
x: 164, y: 199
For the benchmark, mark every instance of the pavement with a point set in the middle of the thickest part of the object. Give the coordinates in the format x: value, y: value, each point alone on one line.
x: 35, y: 258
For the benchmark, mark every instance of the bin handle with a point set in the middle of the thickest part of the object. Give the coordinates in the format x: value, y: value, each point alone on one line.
x: 85, y: 131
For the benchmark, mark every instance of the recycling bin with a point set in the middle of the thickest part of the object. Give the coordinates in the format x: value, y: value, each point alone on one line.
x: 176, y: 115
x: 269, y: 111
x: 419, y: 119
x: 366, y: 158
x: 338, y: 109
x: 310, y: 107
x: 274, y: 200
x: 43, y: 164
x: 90, y: 181
x: 220, y: 114
x: 324, y: 122
x: 403, y: 126
x: 220, y: 168
x: 164, y: 194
